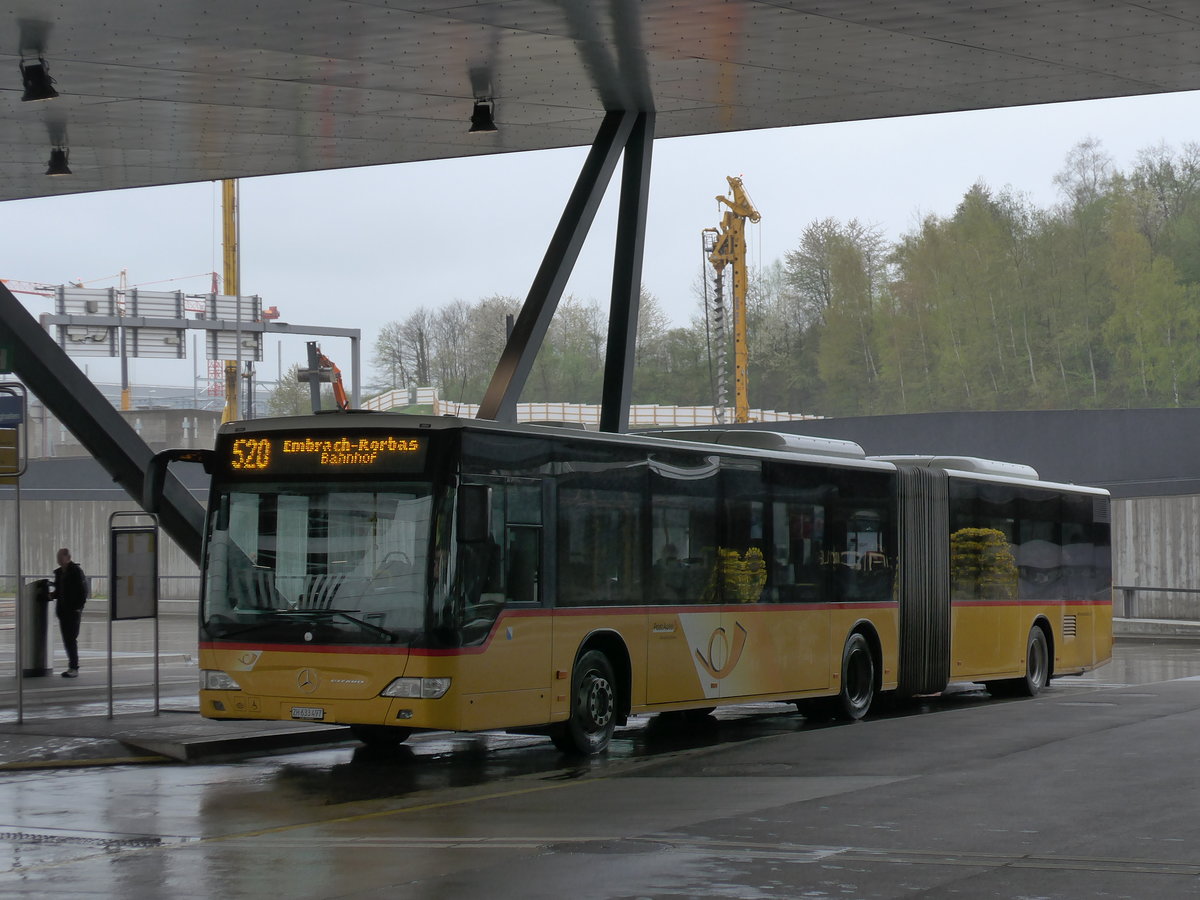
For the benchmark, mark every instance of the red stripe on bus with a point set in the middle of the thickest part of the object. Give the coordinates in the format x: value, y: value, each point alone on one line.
x: 1063, y: 603
x: 305, y: 648
x: 718, y: 608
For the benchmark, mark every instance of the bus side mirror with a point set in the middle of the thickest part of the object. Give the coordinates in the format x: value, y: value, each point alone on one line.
x: 474, y: 513
x: 156, y: 473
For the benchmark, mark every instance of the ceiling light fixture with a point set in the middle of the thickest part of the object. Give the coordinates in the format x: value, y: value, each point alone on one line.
x: 35, y: 76
x: 483, y: 118
x: 58, y: 162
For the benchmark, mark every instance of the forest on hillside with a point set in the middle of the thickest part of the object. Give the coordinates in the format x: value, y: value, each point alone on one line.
x: 1093, y: 302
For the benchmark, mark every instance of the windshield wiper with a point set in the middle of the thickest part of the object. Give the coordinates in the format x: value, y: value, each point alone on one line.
x: 234, y: 632
x: 278, y: 616
x: 370, y: 626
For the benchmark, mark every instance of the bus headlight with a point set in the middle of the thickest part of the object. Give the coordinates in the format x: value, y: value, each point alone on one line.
x: 216, y: 680
x: 417, y: 688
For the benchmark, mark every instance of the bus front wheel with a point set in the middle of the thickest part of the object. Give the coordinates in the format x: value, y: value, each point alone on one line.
x: 380, y: 735
x: 593, y: 708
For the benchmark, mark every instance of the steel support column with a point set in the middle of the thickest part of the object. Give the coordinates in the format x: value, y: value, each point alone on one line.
x: 627, y: 276
x: 355, y: 374
x: 500, y: 401
x: 50, y: 374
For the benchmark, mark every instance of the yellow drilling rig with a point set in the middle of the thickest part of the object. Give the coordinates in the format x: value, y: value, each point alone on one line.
x: 726, y: 248
x: 232, y: 280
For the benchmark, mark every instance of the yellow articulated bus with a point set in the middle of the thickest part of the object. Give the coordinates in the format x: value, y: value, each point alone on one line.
x: 398, y: 573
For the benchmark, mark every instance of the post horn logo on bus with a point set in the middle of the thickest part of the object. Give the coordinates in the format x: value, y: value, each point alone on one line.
x: 721, y: 659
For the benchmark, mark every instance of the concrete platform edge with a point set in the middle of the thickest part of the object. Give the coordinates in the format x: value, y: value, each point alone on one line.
x: 216, y: 748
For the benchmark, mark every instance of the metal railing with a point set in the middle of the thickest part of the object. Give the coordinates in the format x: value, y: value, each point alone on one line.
x: 640, y: 415
x: 1131, y: 607
x: 170, y: 587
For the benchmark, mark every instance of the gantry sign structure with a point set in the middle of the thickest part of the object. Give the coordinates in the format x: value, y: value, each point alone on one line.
x: 143, y: 93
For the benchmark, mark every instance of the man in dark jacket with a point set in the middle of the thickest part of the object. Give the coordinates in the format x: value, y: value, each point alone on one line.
x: 70, y: 593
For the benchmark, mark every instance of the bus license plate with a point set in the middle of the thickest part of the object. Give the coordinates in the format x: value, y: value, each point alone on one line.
x: 312, y: 713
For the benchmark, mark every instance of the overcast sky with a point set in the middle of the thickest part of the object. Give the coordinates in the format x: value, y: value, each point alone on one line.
x: 359, y: 248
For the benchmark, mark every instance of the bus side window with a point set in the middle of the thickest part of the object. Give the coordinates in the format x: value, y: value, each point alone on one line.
x: 862, y: 532
x: 523, y: 556
x: 599, y: 547
x: 743, y: 557
x: 683, y: 528
x: 1039, y: 545
x: 798, y: 540
x: 743, y: 553
x: 982, y: 526
x: 508, y: 565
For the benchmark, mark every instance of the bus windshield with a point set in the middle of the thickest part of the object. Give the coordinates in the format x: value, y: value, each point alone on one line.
x: 318, y: 563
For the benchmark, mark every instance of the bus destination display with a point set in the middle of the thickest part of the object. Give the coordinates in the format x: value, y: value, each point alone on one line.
x: 291, y: 454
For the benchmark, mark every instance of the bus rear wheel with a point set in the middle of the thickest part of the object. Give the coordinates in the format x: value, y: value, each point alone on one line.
x: 1037, y: 669
x: 858, y: 679
x: 854, y: 700
x: 589, y: 730
x: 380, y: 735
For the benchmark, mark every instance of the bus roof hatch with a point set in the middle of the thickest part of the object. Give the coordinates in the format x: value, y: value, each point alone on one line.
x: 767, y: 440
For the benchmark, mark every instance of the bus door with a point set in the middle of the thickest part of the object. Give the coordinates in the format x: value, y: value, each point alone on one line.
x: 599, y: 561
x: 684, y: 588
x: 503, y: 605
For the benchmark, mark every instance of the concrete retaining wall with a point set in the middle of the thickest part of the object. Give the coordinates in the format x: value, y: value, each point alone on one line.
x: 81, y: 526
x: 1156, y: 543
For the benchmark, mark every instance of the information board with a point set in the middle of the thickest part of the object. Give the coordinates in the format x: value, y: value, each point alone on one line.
x: 10, y: 464
x: 133, y: 572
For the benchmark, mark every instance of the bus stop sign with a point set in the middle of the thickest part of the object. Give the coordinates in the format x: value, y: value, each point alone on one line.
x: 10, y: 463
x: 12, y: 411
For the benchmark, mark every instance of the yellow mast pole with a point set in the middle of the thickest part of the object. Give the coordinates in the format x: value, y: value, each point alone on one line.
x: 126, y: 390
x: 741, y: 352
x: 731, y: 251
x: 232, y: 273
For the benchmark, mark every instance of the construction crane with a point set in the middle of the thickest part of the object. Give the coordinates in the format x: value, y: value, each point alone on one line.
x: 726, y: 247
x: 323, y: 369
x: 28, y: 287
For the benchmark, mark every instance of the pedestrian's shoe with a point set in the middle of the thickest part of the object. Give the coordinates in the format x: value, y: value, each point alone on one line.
x: 71, y: 673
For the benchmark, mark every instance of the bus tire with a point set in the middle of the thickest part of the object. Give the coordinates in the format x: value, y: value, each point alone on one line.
x: 854, y: 700
x: 593, y: 718
x: 380, y: 735
x: 1037, y: 669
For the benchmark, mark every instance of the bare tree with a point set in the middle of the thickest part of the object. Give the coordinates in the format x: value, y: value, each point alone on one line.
x: 1086, y: 173
x: 290, y: 397
x: 389, y: 357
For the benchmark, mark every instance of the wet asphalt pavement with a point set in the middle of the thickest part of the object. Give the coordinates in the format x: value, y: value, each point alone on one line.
x: 1087, y: 791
